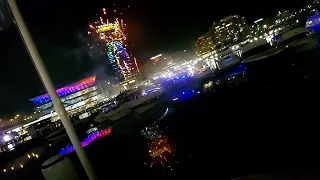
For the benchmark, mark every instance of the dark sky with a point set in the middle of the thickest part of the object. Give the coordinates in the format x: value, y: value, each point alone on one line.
x: 153, y: 27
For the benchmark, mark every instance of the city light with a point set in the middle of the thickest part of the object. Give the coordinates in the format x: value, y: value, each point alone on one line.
x: 6, y: 138
x: 112, y: 32
x: 62, y: 92
x: 160, y: 150
x: 86, y: 141
x: 159, y: 55
x: 258, y: 20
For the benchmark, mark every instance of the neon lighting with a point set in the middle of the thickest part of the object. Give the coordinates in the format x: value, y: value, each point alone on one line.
x: 86, y: 141
x: 313, y: 22
x: 114, y: 36
x: 159, y: 55
x: 67, y: 90
x: 118, y: 55
x: 229, y: 59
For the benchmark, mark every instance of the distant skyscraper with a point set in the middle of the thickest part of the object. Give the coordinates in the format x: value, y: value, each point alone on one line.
x: 204, y: 44
x: 224, y: 33
x: 229, y: 31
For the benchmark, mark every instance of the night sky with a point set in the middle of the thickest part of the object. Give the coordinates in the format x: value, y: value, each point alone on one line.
x: 152, y: 26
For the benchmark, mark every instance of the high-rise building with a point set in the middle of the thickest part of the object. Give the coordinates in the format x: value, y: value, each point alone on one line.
x: 204, y: 44
x: 261, y: 27
x: 224, y: 33
x: 229, y: 31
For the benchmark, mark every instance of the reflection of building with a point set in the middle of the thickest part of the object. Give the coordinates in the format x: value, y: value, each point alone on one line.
x: 159, y: 146
x: 76, y: 98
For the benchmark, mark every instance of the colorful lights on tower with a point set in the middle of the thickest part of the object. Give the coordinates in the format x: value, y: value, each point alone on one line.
x: 112, y: 32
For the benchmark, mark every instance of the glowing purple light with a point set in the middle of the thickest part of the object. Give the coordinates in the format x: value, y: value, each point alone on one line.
x: 78, y: 86
x: 89, y: 139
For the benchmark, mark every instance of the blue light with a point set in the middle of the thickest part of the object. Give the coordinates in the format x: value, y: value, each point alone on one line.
x: 183, y: 77
x: 229, y: 59
x: 239, y: 69
x: 183, y: 92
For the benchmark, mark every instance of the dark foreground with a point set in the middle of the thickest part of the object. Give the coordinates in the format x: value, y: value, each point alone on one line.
x: 268, y: 124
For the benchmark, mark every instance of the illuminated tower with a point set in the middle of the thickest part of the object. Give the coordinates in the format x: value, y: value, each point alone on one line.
x: 112, y: 33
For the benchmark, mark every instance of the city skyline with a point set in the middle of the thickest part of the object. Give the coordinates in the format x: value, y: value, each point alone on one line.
x: 152, y: 29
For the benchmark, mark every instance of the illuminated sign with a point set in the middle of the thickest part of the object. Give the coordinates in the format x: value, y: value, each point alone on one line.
x: 156, y: 58
x: 104, y: 28
x: 258, y: 20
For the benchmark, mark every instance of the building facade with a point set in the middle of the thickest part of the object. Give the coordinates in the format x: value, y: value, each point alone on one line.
x: 229, y: 31
x: 76, y: 98
x: 204, y: 44
x: 223, y: 33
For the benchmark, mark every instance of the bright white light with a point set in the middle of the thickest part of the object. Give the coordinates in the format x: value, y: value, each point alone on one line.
x: 258, y: 20
x: 10, y: 146
x: 156, y: 56
x: 6, y: 138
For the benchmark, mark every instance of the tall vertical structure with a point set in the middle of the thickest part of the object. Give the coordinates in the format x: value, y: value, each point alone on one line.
x: 112, y: 33
x: 229, y: 31
x: 223, y: 33
x: 204, y: 44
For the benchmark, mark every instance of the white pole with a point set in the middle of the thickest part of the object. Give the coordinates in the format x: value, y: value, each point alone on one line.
x: 42, y: 71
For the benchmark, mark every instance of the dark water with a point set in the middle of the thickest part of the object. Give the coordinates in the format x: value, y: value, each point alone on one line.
x: 268, y: 124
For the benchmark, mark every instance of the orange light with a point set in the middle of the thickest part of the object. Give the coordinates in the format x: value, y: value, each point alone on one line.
x: 135, y: 61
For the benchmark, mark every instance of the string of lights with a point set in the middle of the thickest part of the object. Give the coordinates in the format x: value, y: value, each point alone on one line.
x: 112, y: 32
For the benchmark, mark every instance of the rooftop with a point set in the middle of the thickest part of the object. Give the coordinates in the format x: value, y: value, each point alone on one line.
x: 67, y: 90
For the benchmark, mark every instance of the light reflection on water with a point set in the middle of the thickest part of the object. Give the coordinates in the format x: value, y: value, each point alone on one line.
x: 86, y: 141
x: 160, y: 150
